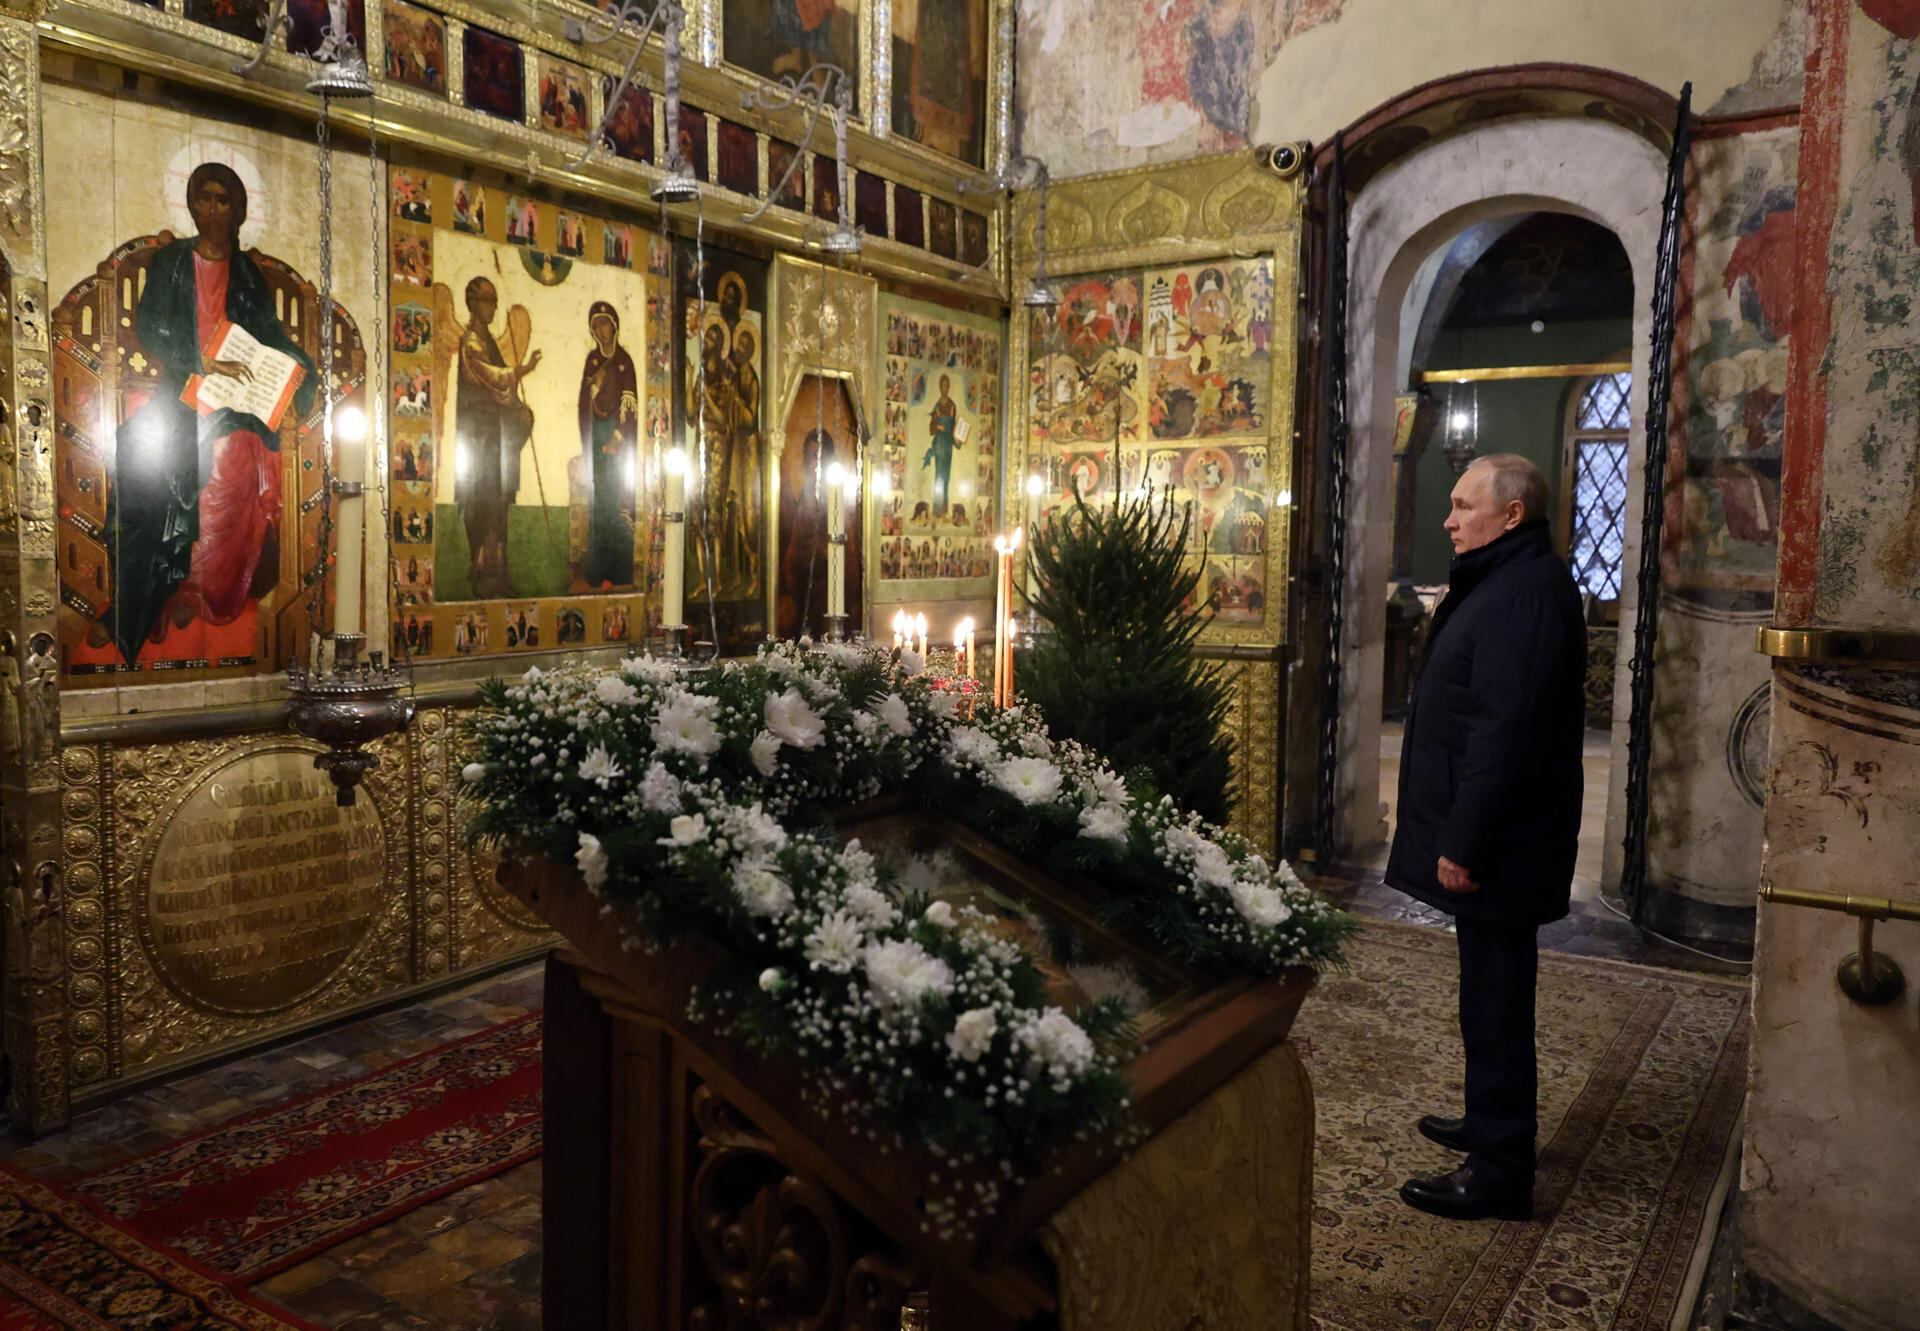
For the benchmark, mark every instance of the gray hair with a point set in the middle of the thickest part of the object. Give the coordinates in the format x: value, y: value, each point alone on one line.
x: 1514, y: 477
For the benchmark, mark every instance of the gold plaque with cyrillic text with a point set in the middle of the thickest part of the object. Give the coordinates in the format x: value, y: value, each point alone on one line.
x: 261, y: 886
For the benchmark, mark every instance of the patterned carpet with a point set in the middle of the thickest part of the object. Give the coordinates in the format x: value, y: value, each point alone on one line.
x: 1642, y: 1074
x: 258, y: 1194
x: 64, y: 1268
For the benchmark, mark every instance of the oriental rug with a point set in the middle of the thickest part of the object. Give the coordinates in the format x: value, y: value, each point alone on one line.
x: 261, y: 1193
x: 64, y: 1267
x: 1642, y: 1074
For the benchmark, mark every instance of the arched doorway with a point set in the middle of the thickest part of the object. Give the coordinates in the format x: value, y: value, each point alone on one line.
x: 1405, y: 215
x: 1519, y: 344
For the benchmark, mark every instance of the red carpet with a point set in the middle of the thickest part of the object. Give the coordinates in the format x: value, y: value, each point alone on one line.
x: 264, y: 1192
x: 65, y: 1268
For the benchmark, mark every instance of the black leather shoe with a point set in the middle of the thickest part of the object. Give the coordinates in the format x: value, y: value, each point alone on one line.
x: 1461, y: 1196
x: 1449, y: 1132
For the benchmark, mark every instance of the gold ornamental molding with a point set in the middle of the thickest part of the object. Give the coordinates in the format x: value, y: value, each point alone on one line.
x: 1495, y: 374
x: 1823, y: 644
x: 1229, y: 205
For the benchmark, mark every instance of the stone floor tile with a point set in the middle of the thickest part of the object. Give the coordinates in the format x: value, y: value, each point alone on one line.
x: 479, y: 1245
x: 298, y: 1279
x: 422, y: 1273
x: 334, y: 1302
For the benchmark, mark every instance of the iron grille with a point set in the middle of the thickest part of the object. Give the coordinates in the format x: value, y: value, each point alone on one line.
x: 1633, y: 879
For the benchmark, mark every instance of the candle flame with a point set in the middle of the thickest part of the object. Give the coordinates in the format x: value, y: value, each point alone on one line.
x: 676, y: 461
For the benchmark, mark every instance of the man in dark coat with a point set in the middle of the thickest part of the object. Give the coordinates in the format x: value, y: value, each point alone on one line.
x: 1489, y: 811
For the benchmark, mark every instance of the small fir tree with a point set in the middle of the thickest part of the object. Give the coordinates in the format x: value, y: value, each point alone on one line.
x: 1118, y: 672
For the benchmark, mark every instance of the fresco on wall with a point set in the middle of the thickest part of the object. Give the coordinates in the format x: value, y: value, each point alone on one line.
x: 1870, y: 540
x: 520, y: 425
x: 186, y: 355
x: 719, y: 400
x: 1167, y: 78
x: 1724, y: 512
x: 934, y: 500
x: 781, y: 38
x: 940, y: 75
x: 1163, y: 377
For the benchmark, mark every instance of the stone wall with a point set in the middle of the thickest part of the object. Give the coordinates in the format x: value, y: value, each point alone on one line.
x: 1829, y: 1205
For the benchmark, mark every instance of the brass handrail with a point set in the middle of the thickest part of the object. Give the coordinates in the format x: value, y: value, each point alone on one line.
x: 1865, y: 976
x: 1837, y: 644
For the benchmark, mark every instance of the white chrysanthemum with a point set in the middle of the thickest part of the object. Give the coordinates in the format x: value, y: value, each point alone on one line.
x: 615, y: 691
x: 647, y: 670
x: 793, y: 721
x: 1057, y: 1043
x: 1103, y: 822
x: 911, y: 664
x: 759, y: 830
x: 761, y: 889
x: 1109, y: 788
x: 599, y: 766
x: 972, y: 744
x: 660, y: 789
x: 844, y: 654
x: 1183, y: 842
x: 592, y: 861
x: 533, y: 676
x: 1212, y: 867
x: 859, y: 864
x: 686, y: 830
x: 684, y: 727
x: 940, y: 915
x: 973, y: 1034
x: 1029, y: 780
x: 779, y: 663
x: 766, y: 752
x: 473, y: 772
x: 865, y: 723
x: 902, y: 972
x: 943, y: 704
x: 871, y: 906
x: 834, y: 944
x: 892, y: 709
x: 1260, y: 905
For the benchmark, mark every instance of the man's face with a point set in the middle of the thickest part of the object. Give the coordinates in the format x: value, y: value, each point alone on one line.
x: 1476, y: 518
x: 212, y: 209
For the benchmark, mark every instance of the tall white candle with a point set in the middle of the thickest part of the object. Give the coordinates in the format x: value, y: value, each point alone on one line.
x: 674, y: 583
x: 349, y: 519
x: 836, y: 540
x: 920, y: 632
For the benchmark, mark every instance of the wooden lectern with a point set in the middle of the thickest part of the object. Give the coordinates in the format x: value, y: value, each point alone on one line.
x: 689, y: 1185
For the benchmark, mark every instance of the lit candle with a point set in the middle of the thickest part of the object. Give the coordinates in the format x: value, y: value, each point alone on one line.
x: 964, y: 641
x: 920, y: 632
x: 836, y: 542
x: 673, y: 590
x: 349, y: 516
x: 1006, y: 546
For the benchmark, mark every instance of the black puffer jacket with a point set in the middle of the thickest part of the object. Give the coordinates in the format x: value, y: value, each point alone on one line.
x: 1490, y: 771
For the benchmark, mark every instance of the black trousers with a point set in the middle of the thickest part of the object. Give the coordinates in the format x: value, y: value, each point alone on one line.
x: 1498, y: 965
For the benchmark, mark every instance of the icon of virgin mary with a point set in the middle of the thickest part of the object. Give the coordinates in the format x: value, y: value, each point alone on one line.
x: 194, y: 517
x: 609, y: 435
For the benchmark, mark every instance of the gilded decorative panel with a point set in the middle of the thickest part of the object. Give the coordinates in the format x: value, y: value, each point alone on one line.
x: 1170, y: 363
x: 1253, y: 723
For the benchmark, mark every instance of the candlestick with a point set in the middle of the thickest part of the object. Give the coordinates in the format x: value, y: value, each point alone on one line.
x: 963, y: 645
x: 673, y: 589
x: 349, y: 518
x: 920, y: 632
x: 836, y: 541
x: 1005, y: 546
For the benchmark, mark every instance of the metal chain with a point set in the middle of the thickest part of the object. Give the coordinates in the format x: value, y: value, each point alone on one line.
x: 317, y: 596
x: 1633, y: 878
x: 1335, y: 436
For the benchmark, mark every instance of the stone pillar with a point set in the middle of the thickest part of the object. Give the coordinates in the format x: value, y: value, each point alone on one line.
x: 1830, y: 1200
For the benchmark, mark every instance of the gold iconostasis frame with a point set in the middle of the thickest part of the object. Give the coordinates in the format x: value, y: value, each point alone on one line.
x: 1209, y: 212
x: 116, y: 797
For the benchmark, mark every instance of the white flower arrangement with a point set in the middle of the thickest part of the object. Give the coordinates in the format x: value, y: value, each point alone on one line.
x: 701, y: 801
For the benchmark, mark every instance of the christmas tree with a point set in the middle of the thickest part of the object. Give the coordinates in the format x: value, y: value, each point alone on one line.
x: 1118, y: 672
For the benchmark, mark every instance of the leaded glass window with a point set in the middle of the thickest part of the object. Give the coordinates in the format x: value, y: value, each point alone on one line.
x: 1598, y: 453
